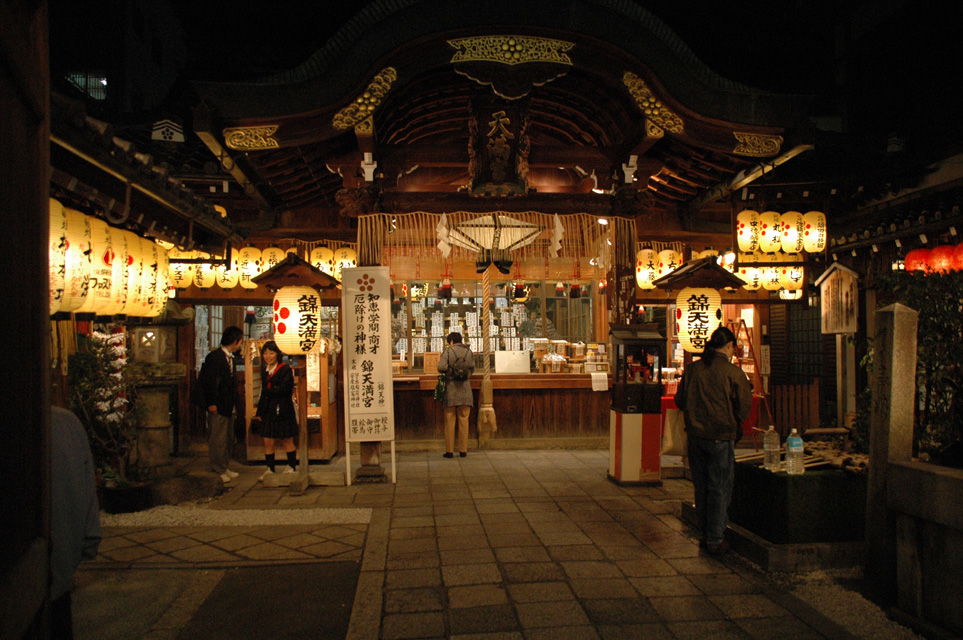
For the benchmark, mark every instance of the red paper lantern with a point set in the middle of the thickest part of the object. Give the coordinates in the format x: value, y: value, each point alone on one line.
x: 941, y: 258
x: 917, y: 260
x: 958, y: 257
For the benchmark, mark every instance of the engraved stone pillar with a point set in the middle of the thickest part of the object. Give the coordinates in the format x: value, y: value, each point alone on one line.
x: 891, y: 437
x: 153, y: 432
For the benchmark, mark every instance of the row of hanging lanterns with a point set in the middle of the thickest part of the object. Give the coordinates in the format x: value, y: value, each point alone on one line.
x: 779, y: 274
x: 791, y: 232
x: 248, y: 262
x: 940, y: 259
x: 102, y: 270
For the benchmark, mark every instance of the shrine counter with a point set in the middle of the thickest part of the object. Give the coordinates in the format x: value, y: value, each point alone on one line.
x: 527, y: 406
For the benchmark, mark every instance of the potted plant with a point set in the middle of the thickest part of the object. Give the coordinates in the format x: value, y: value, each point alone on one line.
x: 102, y: 396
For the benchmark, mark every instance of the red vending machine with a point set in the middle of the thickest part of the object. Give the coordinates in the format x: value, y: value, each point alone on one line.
x: 635, y: 420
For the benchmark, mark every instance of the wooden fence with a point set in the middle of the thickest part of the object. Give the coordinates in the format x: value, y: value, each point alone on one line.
x: 795, y: 406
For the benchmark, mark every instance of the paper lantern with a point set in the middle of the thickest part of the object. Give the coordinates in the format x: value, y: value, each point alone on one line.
x: 958, y: 257
x: 790, y: 295
x: 228, y: 276
x: 707, y: 253
x: 669, y: 260
x: 248, y: 266
x: 917, y: 260
x: 770, y: 231
x: 815, y: 232
x: 791, y: 277
x: 646, y: 268
x: 793, y: 232
x: 323, y: 258
x: 181, y: 275
x: 204, y: 274
x: 135, y: 268
x: 162, y: 283
x: 270, y: 258
x: 57, y: 254
x: 698, y: 312
x: 941, y: 259
x: 297, y: 319
x: 769, y: 275
x: 101, y: 268
x: 77, y: 261
x: 344, y: 258
x: 750, y: 274
x: 747, y: 230
x: 119, y: 282
x: 149, y: 278
x: 293, y: 250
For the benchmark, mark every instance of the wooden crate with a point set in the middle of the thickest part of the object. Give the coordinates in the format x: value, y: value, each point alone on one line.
x: 431, y: 362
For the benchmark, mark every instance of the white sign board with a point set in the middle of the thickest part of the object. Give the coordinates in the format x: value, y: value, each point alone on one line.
x: 840, y: 299
x: 513, y: 362
x: 369, y: 391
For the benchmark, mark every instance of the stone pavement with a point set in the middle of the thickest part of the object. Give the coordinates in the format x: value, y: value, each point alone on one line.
x: 499, y: 545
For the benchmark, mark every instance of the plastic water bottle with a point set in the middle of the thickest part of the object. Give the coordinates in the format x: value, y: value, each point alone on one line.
x: 794, y: 454
x: 770, y: 447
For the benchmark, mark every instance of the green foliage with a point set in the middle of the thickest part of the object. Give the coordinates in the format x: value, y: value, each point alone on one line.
x: 102, y: 396
x: 938, y: 298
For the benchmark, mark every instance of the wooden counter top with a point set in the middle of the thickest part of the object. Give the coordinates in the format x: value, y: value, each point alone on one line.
x: 427, y: 382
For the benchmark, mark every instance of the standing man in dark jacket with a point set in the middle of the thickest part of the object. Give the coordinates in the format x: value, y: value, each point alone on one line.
x: 716, y: 398
x: 458, y: 393
x: 219, y: 384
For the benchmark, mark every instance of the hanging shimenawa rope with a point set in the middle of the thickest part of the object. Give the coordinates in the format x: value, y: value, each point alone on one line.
x: 486, y: 409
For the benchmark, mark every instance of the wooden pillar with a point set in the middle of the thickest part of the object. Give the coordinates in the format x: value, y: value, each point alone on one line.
x: 891, y: 437
x: 370, y: 471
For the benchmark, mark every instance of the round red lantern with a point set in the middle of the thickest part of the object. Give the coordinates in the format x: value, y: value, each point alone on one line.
x: 958, y: 257
x: 941, y: 258
x: 917, y: 260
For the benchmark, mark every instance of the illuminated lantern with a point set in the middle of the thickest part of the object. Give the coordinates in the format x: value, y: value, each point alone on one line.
x: 770, y: 231
x: 135, y: 268
x: 769, y: 275
x: 344, y: 258
x: 149, y: 278
x: 646, y: 268
x: 669, y: 260
x: 793, y: 232
x: 293, y: 250
x: 790, y: 295
x: 227, y: 277
x: 750, y: 274
x: 815, y: 232
x: 791, y: 277
x: 708, y: 253
x: 119, y: 280
x: 917, y: 260
x: 248, y: 266
x: 77, y: 261
x: 698, y: 312
x: 941, y: 259
x: 297, y: 319
x: 204, y: 274
x: 747, y: 230
x: 728, y: 261
x: 322, y: 258
x: 58, y: 254
x: 958, y: 257
x: 162, y: 283
x: 270, y: 258
x: 181, y: 275
x: 101, y: 267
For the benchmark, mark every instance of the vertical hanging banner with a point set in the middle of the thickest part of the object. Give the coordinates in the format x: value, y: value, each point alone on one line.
x: 369, y: 391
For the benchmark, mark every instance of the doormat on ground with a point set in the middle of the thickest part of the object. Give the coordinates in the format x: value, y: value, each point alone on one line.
x: 280, y: 602
x: 190, y: 515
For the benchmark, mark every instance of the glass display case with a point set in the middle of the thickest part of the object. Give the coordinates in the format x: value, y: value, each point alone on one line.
x: 638, y: 354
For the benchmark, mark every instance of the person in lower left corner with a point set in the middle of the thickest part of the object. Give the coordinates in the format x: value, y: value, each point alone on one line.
x: 75, y: 532
x: 275, y: 420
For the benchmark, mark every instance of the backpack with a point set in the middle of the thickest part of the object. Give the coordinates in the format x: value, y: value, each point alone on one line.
x: 459, y: 369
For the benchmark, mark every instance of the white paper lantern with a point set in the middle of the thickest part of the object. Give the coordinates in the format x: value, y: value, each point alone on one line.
x: 669, y: 260
x: 248, y: 266
x: 323, y: 258
x: 149, y: 278
x: 181, y: 274
x: 708, y: 253
x: 747, y: 230
x: 791, y: 277
x: 162, y: 282
x: 646, y: 268
x: 750, y: 274
x: 77, y: 261
x: 698, y: 312
x: 793, y: 228
x: 815, y: 232
x: 790, y: 295
x: 270, y: 258
x: 297, y: 319
x: 293, y: 250
x: 101, y: 268
x: 344, y: 258
x: 135, y: 269
x: 770, y: 274
x: 770, y: 231
x: 58, y: 254
x: 228, y: 277
x: 204, y: 274
x: 119, y: 280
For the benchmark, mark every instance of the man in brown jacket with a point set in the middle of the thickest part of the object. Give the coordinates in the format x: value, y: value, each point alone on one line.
x: 716, y: 397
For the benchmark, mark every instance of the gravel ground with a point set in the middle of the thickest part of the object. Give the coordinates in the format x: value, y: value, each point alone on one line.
x: 192, y: 515
x: 864, y: 619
